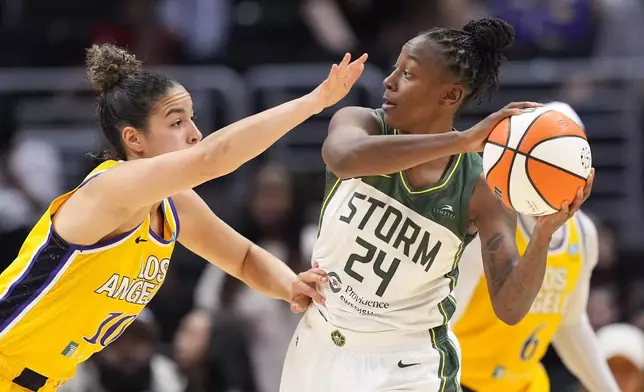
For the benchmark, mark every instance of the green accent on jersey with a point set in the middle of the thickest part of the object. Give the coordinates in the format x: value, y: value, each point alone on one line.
x: 331, y: 185
x: 448, y: 365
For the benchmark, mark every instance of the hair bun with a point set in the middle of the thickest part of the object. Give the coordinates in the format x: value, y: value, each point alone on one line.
x: 491, y: 34
x: 108, y: 64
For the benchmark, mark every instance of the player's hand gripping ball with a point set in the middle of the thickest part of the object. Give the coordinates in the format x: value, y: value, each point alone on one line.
x: 538, y: 162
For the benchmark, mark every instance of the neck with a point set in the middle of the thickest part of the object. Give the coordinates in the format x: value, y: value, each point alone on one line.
x: 434, y: 126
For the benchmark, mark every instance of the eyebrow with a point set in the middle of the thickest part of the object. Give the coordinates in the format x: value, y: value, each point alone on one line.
x: 413, y: 58
x: 174, y: 110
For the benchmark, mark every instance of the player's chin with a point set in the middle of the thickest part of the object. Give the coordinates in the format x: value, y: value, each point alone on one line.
x: 393, y: 117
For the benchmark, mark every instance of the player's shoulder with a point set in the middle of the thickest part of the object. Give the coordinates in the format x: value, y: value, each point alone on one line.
x: 371, y: 120
x: 104, y: 166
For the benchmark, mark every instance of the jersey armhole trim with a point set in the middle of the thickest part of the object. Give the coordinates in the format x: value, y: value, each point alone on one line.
x: 168, y: 205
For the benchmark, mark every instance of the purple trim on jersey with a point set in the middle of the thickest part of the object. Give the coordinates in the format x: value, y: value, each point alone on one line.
x: 25, y: 273
x: 550, y: 247
x: 50, y: 277
x: 157, y: 237
x: 106, y: 243
x: 175, y: 214
x: 91, y: 177
x: 582, y: 233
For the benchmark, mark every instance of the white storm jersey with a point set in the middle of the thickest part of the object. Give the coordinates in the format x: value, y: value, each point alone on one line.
x: 391, y: 251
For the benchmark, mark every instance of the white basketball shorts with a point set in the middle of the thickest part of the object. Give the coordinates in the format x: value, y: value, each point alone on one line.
x: 323, y: 358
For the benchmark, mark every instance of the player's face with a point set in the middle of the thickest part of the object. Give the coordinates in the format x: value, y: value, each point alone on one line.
x: 170, y: 126
x: 418, y: 88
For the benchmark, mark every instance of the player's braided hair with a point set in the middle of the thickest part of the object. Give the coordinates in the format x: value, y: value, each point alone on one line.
x: 126, y: 92
x: 474, y: 53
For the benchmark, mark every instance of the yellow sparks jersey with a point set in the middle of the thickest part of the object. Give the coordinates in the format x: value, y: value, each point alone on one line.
x: 60, y: 303
x: 499, y: 357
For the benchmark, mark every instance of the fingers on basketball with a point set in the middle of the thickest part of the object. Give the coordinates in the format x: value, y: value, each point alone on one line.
x: 523, y: 105
x: 589, y: 183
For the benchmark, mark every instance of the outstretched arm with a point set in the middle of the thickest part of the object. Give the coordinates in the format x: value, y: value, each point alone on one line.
x: 208, y: 236
x: 125, y: 189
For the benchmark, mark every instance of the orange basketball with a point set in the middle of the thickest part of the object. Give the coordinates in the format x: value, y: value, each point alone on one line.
x: 537, y: 160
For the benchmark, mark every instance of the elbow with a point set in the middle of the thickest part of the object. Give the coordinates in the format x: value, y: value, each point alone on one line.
x: 508, y: 316
x: 340, y: 163
x: 510, y: 319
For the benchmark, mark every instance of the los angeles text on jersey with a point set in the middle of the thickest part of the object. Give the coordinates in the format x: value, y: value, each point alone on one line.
x: 137, y: 290
x: 553, y: 296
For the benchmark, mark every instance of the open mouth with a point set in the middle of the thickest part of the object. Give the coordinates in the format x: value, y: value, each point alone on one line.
x: 388, y: 104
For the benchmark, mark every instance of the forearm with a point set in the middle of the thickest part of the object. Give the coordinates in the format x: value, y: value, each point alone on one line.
x: 266, y: 273
x: 579, y: 350
x: 514, y: 287
x: 243, y: 140
x: 373, y: 155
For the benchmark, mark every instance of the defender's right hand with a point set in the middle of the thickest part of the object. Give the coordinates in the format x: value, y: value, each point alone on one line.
x: 475, y: 137
x: 339, y: 82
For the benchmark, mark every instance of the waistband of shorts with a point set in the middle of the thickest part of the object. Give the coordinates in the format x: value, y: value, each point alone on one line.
x: 372, y: 341
x: 12, y: 370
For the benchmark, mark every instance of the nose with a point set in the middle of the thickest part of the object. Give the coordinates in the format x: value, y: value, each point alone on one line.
x: 195, y: 137
x: 390, y: 81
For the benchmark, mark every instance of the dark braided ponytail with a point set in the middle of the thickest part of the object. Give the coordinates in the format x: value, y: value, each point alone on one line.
x: 475, y: 53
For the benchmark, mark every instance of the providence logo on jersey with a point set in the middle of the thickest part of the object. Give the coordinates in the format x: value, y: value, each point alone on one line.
x: 335, y: 283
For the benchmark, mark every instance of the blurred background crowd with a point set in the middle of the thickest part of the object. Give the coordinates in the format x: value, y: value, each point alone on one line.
x: 205, y: 331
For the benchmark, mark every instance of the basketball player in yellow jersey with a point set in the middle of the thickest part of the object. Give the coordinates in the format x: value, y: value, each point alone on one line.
x: 499, y: 357
x: 99, y: 253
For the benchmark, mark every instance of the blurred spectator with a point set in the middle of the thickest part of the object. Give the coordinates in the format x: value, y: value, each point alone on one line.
x: 603, y: 306
x: 129, y: 364
x: 30, y: 172
x: 204, y: 26
x: 191, y: 348
x: 213, y: 355
x: 270, y: 220
x: 136, y: 25
x: 549, y: 28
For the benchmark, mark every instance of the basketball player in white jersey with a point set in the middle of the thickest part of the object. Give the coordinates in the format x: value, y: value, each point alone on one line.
x: 498, y: 357
x: 405, y: 194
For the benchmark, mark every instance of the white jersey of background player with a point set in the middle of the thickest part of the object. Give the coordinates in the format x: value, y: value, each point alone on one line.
x: 404, y: 196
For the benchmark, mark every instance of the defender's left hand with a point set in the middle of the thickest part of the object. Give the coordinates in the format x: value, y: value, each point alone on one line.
x: 551, y: 223
x: 303, y: 289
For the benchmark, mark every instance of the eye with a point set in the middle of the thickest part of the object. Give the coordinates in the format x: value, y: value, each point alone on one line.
x: 177, y: 123
x: 193, y: 118
x: 406, y: 74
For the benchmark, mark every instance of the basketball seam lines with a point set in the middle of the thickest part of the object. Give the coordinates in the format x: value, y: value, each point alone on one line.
x: 536, y: 189
x: 507, y: 140
x: 538, y: 159
x: 527, y: 130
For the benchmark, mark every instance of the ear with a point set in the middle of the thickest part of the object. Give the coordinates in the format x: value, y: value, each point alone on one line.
x: 133, y: 139
x: 453, y: 95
